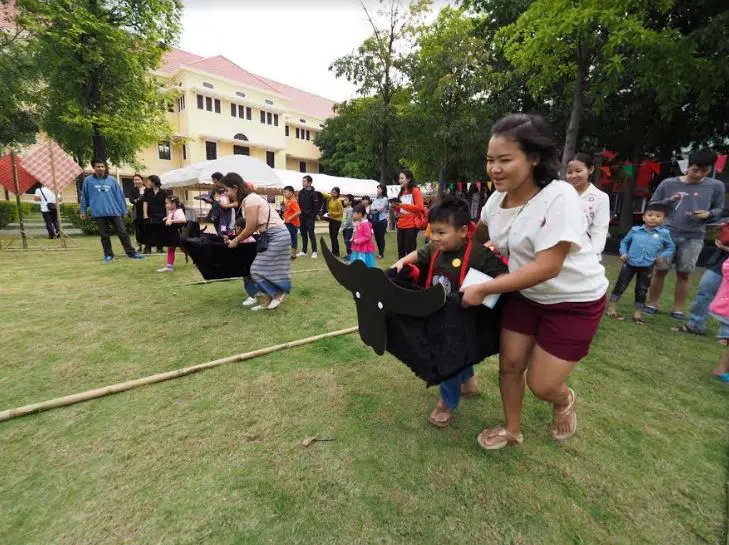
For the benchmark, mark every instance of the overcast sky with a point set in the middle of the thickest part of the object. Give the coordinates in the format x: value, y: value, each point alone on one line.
x: 291, y: 41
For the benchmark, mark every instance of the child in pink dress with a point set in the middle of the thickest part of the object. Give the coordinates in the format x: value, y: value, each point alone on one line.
x: 363, y: 249
x: 173, y: 222
x: 719, y: 308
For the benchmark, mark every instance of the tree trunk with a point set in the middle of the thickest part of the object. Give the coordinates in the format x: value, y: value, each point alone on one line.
x: 578, y: 102
x: 99, y: 144
x: 626, y: 213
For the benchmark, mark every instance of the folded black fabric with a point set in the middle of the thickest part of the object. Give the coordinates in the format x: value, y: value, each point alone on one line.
x: 215, y: 260
x: 441, y: 345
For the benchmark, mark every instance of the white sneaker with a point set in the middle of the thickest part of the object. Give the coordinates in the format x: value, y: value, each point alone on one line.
x: 250, y: 302
x: 165, y: 269
x: 301, y: 254
x: 314, y: 255
x: 274, y: 304
x: 258, y: 307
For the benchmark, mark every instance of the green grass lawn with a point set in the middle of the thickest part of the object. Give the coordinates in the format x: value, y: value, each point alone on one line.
x: 216, y: 458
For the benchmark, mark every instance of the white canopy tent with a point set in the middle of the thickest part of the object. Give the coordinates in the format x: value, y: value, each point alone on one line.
x: 251, y: 170
x: 324, y: 183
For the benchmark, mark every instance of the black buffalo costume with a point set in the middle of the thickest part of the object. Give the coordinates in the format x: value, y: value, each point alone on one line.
x: 213, y: 258
x: 424, y: 327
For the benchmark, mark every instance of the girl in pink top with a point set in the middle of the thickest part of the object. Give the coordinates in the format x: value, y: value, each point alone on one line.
x: 362, y: 246
x: 174, y: 221
x: 719, y: 308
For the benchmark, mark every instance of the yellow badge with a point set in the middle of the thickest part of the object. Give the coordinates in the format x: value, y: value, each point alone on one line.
x: 456, y: 262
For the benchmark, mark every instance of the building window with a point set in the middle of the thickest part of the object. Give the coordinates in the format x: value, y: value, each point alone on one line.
x: 241, y: 150
x: 269, y: 118
x: 271, y: 159
x: 249, y: 113
x: 208, y: 85
x: 286, y: 130
x: 275, y: 120
x: 241, y: 112
x: 200, y: 100
x: 209, y: 104
x: 163, y: 149
x: 233, y: 110
x: 302, y: 120
x: 240, y: 136
x: 263, y: 117
x: 217, y: 106
x: 307, y: 135
x: 302, y: 166
x: 240, y: 94
x: 170, y: 106
x: 269, y: 102
x: 181, y: 103
x: 298, y: 132
x: 184, y: 152
x: 211, y: 151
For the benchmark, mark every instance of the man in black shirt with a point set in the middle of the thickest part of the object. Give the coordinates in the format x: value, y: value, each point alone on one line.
x: 310, y: 203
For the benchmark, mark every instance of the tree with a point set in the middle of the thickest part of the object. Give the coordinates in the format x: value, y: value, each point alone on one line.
x: 378, y: 65
x: 350, y: 141
x: 585, y: 47
x: 96, y: 57
x: 18, y: 117
x: 450, y: 83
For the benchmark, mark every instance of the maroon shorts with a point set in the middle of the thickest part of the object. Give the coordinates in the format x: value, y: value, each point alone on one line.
x: 564, y: 330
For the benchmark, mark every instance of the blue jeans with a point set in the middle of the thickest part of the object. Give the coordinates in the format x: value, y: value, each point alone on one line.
x: 347, y: 234
x: 293, y: 231
x: 450, y: 390
x: 705, y: 292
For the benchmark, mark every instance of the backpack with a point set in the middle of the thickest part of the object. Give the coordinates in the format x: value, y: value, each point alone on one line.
x: 319, y: 202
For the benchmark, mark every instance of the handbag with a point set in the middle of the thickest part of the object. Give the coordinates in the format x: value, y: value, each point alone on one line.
x: 262, y: 238
x: 50, y: 205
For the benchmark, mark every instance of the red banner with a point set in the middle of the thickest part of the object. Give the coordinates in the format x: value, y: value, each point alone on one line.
x: 25, y: 180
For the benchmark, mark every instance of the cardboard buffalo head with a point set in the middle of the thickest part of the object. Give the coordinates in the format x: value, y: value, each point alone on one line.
x: 375, y: 296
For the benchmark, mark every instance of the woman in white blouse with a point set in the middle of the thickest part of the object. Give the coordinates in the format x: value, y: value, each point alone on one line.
x: 596, y: 203
x: 556, y: 285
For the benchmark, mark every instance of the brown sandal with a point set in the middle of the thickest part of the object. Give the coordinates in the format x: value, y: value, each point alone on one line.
x: 504, y: 438
x: 615, y: 316
x: 441, y: 416
x: 567, y: 415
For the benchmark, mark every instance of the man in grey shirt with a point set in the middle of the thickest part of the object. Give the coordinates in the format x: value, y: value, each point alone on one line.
x: 695, y: 200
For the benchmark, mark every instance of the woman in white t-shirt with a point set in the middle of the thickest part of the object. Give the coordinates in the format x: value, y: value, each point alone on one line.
x: 595, y: 203
x: 556, y: 284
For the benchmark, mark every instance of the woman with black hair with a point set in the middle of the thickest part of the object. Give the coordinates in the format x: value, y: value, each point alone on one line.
x: 379, y: 211
x: 271, y: 269
x: 596, y: 203
x: 556, y: 284
x: 411, y: 208
x: 154, y: 215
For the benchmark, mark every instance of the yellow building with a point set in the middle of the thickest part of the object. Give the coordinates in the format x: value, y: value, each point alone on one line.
x: 223, y: 109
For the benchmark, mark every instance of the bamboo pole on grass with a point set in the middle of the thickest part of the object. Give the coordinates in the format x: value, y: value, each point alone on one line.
x: 161, y: 377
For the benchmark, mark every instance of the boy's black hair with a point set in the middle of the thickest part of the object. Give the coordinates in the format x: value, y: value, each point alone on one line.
x: 704, y: 158
x: 659, y: 207
x: 451, y: 210
x: 240, y: 222
x: 217, y: 176
x: 289, y: 188
x: 350, y: 198
x: 367, y: 197
x: 360, y: 209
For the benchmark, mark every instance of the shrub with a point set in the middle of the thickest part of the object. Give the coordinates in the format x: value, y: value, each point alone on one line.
x: 8, y: 213
x: 88, y: 226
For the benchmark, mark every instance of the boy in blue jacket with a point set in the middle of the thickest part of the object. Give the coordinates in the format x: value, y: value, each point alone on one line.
x: 102, y: 194
x: 640, y: 250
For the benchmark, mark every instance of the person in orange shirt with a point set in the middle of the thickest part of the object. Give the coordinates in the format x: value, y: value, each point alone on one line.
x: 292, y: 220
x: 410, y: 207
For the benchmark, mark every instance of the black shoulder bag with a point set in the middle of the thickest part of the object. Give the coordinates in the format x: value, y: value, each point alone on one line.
x: 262, y: 238
x: 50, y: 205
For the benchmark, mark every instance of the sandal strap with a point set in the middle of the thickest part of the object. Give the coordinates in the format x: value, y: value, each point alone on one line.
x: 569, y: 408
x: 501, y: 431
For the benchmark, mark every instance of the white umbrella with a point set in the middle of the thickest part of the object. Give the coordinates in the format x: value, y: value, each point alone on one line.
x: 249, y: 168
x: 325, y: 183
